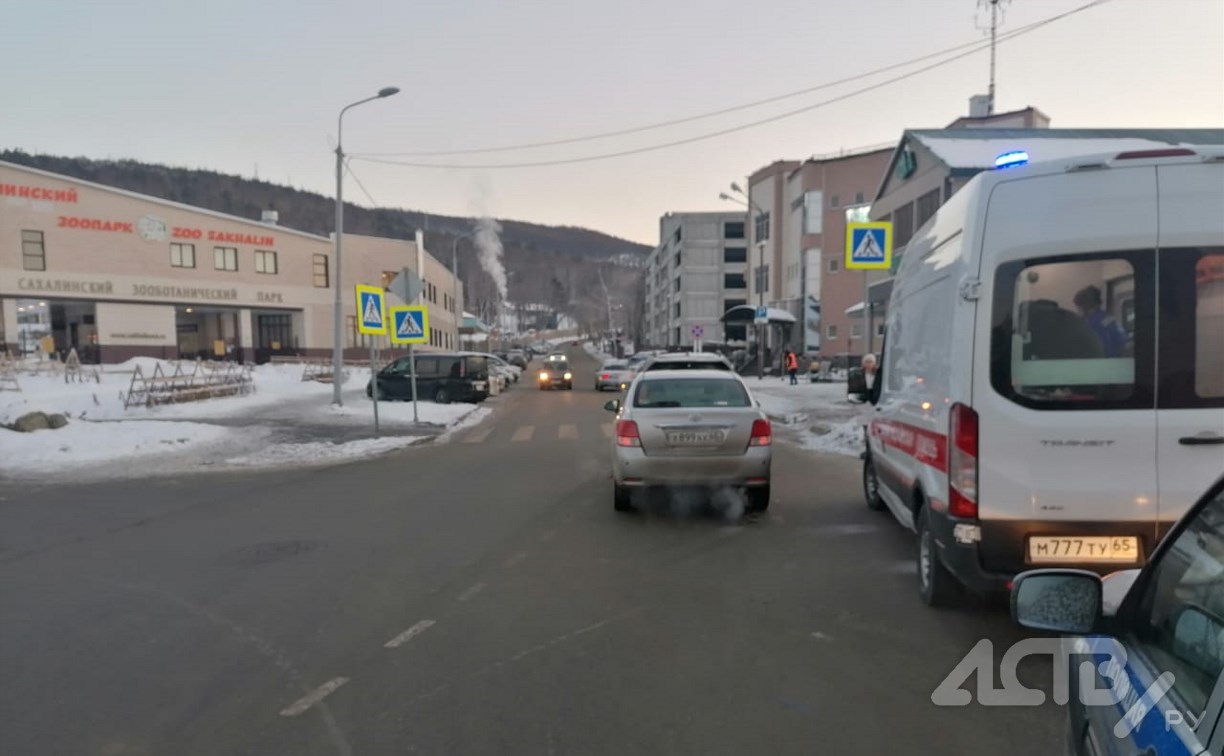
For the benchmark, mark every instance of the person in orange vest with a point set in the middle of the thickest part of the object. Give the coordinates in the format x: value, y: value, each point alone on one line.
x: 792, y: 367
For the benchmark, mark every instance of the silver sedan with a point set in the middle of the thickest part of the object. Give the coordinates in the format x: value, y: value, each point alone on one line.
x: 681, y: 428
x: 613, y: 375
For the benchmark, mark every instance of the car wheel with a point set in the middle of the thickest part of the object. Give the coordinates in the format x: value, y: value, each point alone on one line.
x: 621, y: 501
x: 442, y: 396
x: 758, y: 499
x: 871, y: 486
x: 936, y: 586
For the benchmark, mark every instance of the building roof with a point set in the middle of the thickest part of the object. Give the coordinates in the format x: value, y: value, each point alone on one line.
x: 1030, y: 110
x: 849, y: 154
x: 159, y: 201
x: 966, y: 152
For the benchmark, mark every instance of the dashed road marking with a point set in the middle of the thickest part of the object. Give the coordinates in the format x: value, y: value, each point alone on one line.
x: 515, y: 560
x: 568, y: 432
x: 409, y: 634
x: 478, y: 436
x: 470, y: 592
x: 606, y: 428
x: 313, y: 697
x: 523, y: 433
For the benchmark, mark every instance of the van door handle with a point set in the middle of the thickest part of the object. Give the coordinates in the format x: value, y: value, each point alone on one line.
x: 1203, y: 439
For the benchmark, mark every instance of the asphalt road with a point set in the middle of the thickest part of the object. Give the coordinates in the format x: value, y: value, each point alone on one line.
x: 480, y: 596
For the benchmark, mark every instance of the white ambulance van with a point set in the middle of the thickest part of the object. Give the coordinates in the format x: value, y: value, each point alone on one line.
x: 1051, y: 390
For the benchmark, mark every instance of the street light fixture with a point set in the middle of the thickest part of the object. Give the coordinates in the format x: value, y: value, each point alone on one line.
x: 338, y: 314
x: 747, y: 202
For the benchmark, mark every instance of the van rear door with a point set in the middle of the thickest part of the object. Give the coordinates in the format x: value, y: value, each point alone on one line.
x: 1190, y: 382
x: 1064, y: 383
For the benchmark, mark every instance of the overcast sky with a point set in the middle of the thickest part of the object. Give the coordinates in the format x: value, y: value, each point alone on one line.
x: 245, y: 85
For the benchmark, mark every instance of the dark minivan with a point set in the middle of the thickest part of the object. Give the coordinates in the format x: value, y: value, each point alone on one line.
x: 442, y: 378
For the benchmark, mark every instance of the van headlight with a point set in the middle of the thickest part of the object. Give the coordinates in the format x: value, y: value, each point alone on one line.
x: 568, y: 376
x: 543, y: 375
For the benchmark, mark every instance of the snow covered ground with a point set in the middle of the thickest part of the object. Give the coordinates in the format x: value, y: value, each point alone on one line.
x: 818, y: 413
x: 284, y: 422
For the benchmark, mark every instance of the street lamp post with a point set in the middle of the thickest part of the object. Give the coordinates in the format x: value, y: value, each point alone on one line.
x: 338, y: 304
x: 760, y: 274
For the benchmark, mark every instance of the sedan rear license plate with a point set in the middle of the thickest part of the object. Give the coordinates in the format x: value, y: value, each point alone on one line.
x: 694, y: 438
x: 1121, y: 549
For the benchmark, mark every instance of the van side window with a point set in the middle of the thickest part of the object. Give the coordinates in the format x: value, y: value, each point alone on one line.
x: 1075, y: 332
x: 1179, y: 622
x: 427, y: 367
x: 1191, y: 328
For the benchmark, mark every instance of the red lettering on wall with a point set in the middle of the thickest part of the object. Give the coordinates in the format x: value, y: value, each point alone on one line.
x: 97, y: 224
x: 38, y: 193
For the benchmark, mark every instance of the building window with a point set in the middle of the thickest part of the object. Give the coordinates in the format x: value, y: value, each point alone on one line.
x: 927, y: 204
x: 834, y: 264
x: 676, y: 310
x: 182, y: 255
x: 761, y: 227
x: 350, y: 330
x: 834, y: 200
x: 676, y: 335
x: 879, y: 330
x: 856, y: 331
x: 677, y: 236
x: 676, y: 261
x: 903, y: 225
x: 265, y: 261
x: 858, y: 198
x: 33, y: 252
x: 830, y: 332
x: 813, y: 212
x: 225, y: 258
x: 734, y: 281
x: 733, y: 230
x: 762, y: 278
x: 321, y: 278
x: 677, y: 283
x: 735, y: 255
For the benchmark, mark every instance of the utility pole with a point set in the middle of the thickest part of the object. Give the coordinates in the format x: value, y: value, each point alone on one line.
x: 994, y: 36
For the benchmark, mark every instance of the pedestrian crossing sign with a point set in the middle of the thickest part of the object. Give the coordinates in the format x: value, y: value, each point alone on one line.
x: 371, y: 311
x: 409, y: 325
x: 869, y: 246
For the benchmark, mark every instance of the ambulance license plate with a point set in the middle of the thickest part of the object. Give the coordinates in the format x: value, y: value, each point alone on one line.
x: 1121, y: 549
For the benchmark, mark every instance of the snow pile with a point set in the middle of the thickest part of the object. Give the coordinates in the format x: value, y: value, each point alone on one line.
x: 825, y: 420
x: 316, y: 452
x: 86, y: 443
x: 600, y: 356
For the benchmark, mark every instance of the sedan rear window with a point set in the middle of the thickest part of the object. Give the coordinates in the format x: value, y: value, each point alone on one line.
x: 616, y: 366
x: 691, y: 392
x: 688, y: 365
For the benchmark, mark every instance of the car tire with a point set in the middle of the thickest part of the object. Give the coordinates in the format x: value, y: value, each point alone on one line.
x: 937, y: 587
x: 442, y: 396
x: 871, y: 486
x: 758, y: 499
x: 621, y: 500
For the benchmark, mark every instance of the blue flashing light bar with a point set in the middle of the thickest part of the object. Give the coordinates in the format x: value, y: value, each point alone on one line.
x: 1011, y: 159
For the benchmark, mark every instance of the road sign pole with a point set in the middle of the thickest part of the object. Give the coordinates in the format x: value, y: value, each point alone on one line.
x: 374, y: 388
x: 412, y: 374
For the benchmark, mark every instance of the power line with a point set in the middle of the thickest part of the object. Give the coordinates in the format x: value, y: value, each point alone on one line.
x: 348, y: 167
x: 977, y: 45
x: 721, y: 132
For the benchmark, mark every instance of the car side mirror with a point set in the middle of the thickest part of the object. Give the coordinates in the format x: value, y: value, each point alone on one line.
x: 1196, y: 637
x: 857, y: 390
x: 1058, y: 601
x: 612, y: 405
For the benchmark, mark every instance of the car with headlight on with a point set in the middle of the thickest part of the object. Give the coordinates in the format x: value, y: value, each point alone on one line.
x: 690, y: 428
x: 613, y: 375
x: 555, y: 374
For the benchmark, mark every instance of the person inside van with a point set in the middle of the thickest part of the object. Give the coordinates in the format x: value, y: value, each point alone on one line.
x: 1113, y: 338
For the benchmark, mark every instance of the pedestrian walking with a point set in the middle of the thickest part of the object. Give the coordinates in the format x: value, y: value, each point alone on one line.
x: 792, y: 367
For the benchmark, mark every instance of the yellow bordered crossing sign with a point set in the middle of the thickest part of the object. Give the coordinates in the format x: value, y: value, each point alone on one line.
x: 869, y: 246
x: 371, y: 311
x: 409, y: 325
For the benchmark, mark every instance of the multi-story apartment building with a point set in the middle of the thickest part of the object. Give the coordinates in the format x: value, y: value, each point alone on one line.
x: 696, y: 273
x: 797, y: 218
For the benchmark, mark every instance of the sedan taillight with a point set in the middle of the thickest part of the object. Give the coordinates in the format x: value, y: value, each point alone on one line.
x: 627, y: 433
x: 762, y: 433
